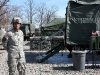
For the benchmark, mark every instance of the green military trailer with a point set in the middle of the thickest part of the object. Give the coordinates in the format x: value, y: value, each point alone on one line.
x: 54, y: 26
x: 28, y: 30
x: 82, y: 18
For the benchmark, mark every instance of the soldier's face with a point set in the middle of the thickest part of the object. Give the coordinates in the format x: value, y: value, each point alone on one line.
x: 16, y: 26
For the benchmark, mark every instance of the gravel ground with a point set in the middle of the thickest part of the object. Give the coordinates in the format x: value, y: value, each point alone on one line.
x: 57, y: 65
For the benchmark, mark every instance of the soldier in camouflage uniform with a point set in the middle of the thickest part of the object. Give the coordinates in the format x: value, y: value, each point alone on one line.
x: 13, y: 43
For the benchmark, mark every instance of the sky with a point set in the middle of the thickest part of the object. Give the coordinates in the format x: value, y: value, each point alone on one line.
x: 61, y: 4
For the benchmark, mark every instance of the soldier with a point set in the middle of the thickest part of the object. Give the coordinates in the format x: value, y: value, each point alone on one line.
x: 13, y: 43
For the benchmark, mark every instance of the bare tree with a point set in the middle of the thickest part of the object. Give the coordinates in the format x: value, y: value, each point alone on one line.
x: 50, y: 14
x: 2, y: 6
x: 3, y: 3
x: 30, y: 10
x: 44, y: 14
x: 14, y: 10
x: 40, y: 16
x: 3, y: 10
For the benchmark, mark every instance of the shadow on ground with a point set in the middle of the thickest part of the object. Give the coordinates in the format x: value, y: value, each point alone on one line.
x: 72, y: 68
x: 31, y: 57
x: 64, y: 68
x: 59, y: 58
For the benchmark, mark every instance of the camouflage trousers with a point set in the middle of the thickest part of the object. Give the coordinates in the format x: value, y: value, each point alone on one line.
x: 16, y: 66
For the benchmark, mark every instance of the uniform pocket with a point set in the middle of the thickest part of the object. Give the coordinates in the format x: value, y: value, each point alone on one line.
x: 13, y: 54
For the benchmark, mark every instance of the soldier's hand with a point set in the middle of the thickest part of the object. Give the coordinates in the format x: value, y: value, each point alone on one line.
x: 5, y: 36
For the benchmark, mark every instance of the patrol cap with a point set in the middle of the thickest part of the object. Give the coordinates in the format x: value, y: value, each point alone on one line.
x: 16, y: 20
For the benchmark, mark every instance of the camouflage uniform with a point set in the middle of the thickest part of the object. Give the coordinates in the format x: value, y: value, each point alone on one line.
x: 16, y: 57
